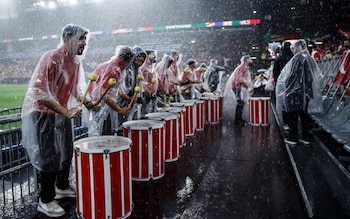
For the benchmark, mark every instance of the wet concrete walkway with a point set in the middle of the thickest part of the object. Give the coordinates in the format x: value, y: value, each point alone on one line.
x: 224, y: 171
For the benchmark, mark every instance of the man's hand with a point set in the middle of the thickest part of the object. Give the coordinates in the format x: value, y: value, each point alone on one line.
x: 73, y: 113
x: 91, y: 106
x: 124, y: 111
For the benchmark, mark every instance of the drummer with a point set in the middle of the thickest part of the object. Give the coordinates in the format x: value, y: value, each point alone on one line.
x: 149, y: 84
x: 174, y: 80
x: 239, y: 83
x: 199, y: 73
x: 164, y: 74
x: 126, y: 94
x: 104, y: 92
x: 188, y: 79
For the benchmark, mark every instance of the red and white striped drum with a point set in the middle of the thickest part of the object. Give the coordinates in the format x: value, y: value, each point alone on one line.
x: 221, y: 102
x: 194, y: 116
x: 182, y: 121
x: 172, y: 145
x: 147, y: 152
x: 103, y: 177
x: 189, y: 114
x: 200, y: 118
x: 211, y: 109
x: 259, y: 110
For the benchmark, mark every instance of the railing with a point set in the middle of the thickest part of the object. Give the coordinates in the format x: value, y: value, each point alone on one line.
x: 17, y: 176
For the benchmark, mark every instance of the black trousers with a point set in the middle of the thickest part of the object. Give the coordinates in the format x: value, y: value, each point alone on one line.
x: 53, y: 131
x: 48, y: 180
x: 293, y: 121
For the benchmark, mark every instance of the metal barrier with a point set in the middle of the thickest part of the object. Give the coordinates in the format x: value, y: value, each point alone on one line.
x: 329, y: 69
x: 9, y: 111
x: 18, y: 178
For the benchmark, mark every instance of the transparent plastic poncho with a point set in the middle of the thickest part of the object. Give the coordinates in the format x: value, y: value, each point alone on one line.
x: 212, y: 77
x: 58, y: 77
x: 164, y: 74
x: 112, y: 69
x: 240, y: 73
x: 298, y: 86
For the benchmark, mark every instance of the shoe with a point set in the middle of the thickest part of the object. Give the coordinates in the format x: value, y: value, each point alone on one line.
x: 66, y: 193
x: 291, y: 141
x: 305, y: 140
x: 286, y: 127
x: 51, y: 209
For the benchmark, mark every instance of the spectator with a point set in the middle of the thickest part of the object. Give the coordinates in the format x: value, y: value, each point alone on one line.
x: 297, y: 85
x: 280, y: 62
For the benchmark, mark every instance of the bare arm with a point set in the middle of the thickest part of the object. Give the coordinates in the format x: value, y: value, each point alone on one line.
x: 53, y: 105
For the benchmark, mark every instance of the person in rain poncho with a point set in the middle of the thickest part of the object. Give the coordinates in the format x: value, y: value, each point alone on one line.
x: 54, y: 90
x: 150, y: 84
x: 165, y: 75
x: 188, y: 79
x: 130, y: 81
x: 297, y: 92
x: 199, y: 75
x: 174, y: 77
x: 284, y: 57
x: 212, y: 77
x: 105, y: 120
x: 238, y: 84
x: 259, y: 86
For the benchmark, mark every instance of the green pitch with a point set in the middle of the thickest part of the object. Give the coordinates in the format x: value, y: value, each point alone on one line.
x: 12, y: 95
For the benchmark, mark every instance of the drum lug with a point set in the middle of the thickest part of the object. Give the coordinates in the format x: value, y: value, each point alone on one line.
x: 78, y: 151
x: 106, y: 152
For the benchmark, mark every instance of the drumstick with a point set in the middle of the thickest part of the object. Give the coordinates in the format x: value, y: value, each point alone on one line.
x: 92, y: 77
x: 111, y: 82
x: 137, y: 89
x: 165, y: 104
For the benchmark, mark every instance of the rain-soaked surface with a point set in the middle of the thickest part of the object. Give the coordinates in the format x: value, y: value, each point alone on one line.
x: 224, y: 171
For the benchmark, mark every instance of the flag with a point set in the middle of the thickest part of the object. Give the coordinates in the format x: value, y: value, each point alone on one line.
x: 210, y: 24
x: 343, y: 74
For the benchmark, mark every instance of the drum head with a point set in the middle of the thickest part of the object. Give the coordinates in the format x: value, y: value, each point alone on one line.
x: 162, y: 116
x: 172, y: 109
x: 182, y: 104
x: 102, y: 144
x: 189, y: 101
x: 144, y: 124
x: 259, y: 98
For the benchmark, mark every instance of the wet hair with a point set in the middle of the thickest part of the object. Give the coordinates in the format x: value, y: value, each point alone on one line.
x: 71, y: 30
x: 139, y: 51
x: 175, y: 53
x: 203, y: 65
x: 149, y: 51
x: 213, y: 61
x: 245, y: 58
x: 191, y: 61
x: 168, y: 59
x: 125, y: 52
x: 301, y: 43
